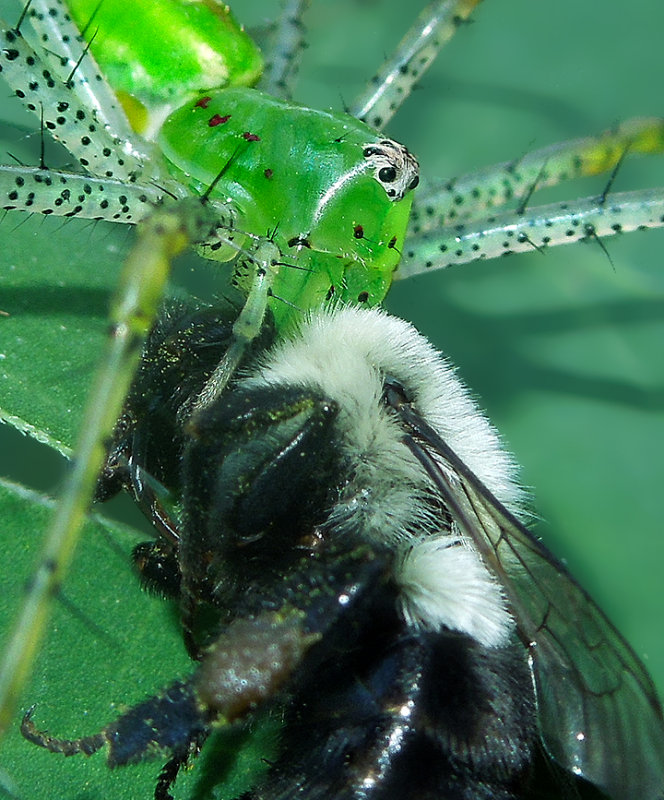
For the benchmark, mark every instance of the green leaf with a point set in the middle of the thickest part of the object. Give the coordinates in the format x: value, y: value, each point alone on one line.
x: 50, y: 341
x: 109, y: 646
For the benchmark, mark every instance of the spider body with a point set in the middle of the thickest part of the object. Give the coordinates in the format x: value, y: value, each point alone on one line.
x: 335, y: 198
x: 207, y: 43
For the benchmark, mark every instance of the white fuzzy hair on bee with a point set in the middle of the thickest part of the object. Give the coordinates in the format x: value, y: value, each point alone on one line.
x: 347, y: 354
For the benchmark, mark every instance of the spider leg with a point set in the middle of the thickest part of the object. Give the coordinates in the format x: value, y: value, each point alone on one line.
x: 161, y: 237
x: 50, y: 29
x: 285, y: 50
x: 97, y: 147
x: 386, y: 92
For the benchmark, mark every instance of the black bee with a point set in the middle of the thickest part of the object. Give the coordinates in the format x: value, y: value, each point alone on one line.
x: 345, y: 536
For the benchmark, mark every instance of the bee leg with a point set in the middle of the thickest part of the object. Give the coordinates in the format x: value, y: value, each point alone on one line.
x: 68, y: 747
x: 189, y: 607
x: 168, y: 775
x: 171, y: 769
x: 158, y: 568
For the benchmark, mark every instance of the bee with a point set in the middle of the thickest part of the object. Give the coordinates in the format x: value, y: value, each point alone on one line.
x: 347, y: 540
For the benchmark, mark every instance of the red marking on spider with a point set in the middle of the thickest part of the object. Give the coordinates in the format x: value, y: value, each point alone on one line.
x: 251, y: 137
x: 358, y: 232
x: 204, y: 102
x: 217, y: 119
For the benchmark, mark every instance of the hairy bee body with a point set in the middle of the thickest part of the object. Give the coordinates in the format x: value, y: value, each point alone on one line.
x: 342, y: 529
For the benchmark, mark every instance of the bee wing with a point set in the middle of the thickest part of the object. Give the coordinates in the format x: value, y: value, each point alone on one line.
x: 598, y: 709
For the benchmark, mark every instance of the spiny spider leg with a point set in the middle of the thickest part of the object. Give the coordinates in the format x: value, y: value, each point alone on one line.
x: 161, y: 237
x: 439, y: 203
x: 536, y: 229
x: 284, y: 54
x: 450, y: 224
x: 52, y: 32
x: 390, y: 87
x: 117, y: 187
x: 68, y: 194
x: 99, y: 151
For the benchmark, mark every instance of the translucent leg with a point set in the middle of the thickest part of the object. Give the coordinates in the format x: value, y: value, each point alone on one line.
x: 263, y: 260
x: 469, y: 196
x: 165, y: 234
x: 536, y: 229
x: 49, y: 29
x: 386, y: 92
x: 285, y: 52
x: 65, y: 116
x: 66, y: 194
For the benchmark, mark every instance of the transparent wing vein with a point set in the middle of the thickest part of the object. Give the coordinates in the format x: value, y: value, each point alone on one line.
x: 598, y: 709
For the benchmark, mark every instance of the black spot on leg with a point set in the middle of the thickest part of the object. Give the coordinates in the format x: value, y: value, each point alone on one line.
x: 50, y: 566
x: 299, y: 241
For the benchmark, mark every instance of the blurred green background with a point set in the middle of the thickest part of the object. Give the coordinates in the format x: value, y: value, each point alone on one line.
x: 565, y: 350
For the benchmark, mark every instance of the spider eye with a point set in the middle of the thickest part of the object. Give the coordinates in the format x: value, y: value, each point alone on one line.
x: 393, y: 167
x: 387, y: 174
x: 371, y: 151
